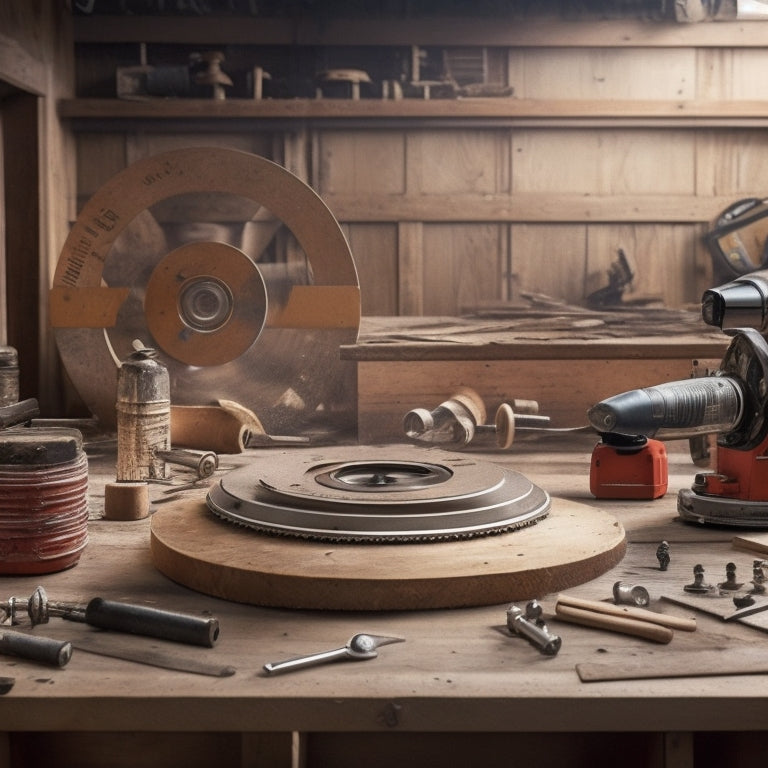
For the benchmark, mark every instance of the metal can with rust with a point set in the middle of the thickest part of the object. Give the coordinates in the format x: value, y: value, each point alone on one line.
x: 143, y: 417
x: 9, y: 376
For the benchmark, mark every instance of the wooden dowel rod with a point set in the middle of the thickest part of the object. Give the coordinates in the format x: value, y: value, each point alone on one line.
x: 644, y: 629
x: 675, y: 622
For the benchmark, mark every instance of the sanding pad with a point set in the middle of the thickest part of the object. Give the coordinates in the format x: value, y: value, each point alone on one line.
x: 574, y: 544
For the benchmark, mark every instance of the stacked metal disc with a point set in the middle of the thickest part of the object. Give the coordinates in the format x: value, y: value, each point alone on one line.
x: 381, y: 494
x: 43, y: 500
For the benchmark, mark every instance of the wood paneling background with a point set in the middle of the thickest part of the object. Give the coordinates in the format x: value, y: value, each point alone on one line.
x: 636, y: 142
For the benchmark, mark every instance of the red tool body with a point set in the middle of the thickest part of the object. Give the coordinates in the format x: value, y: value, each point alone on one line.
x: 732, y: 404
x: 628, y: 471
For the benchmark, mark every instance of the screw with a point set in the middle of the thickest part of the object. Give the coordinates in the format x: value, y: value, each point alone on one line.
x: 531, y: 626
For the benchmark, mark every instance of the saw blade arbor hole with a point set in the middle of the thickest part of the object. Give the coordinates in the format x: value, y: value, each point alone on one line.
x: 373, y: 476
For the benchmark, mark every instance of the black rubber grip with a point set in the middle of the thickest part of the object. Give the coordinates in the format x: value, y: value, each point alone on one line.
x: 153, y: 622
x: 36, y: 648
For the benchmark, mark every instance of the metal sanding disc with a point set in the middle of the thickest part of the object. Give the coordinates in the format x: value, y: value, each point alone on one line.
x: 378, y: 493
x: 229, y: 265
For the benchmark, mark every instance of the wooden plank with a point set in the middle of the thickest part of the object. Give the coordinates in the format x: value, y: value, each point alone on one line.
x: 462, y: 265
x: 374, y: 248
x: 557, y: 72
x: 546, y: 207
x: 663, y: 257
x: 19, y: 67
x: 565, y: 390
x: 753, y: 661
x: 410, y: 268
x: 426, y: 30
x: 101, y: 156
x: 730, y: 164
x: 3, y: 280
x: 355, y: 162
x: 665, y: 112
x: 25, y: 261
x: 480, y: 162
x: 623, y: 163
x: 573, y: 544
x: 533, y: 245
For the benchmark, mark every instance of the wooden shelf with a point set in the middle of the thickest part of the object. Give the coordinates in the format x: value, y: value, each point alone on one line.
x: 529, y: 112
x: 418, y: 30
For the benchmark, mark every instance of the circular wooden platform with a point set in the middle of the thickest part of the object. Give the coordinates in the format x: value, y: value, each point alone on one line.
x: 574, y: 544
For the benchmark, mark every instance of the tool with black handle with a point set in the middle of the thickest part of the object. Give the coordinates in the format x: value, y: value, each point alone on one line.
x: 118, y: 616
x: 35, y: 648
x: 152, y: 622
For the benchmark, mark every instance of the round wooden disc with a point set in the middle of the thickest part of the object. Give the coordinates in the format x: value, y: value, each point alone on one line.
x: 202, y: 267
x: 574, y: 544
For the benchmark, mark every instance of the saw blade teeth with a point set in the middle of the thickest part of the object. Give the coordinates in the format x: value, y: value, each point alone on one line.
x: 414, y: 539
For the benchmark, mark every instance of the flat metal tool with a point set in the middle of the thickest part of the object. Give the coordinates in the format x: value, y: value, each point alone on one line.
x: 153, y: 657
x: 360, y: 647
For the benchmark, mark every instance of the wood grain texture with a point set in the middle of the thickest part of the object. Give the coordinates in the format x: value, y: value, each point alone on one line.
x: 574, y: 544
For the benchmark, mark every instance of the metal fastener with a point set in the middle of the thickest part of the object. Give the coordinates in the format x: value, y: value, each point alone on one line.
x: 630, y: 594
x: 532, y: 627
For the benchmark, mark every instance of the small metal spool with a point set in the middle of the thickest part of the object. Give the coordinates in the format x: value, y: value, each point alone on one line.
x: 631, y: 594
x: 44, y: 491
x: 143, y: 417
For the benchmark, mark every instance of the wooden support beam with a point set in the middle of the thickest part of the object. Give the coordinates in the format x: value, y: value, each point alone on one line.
x: 423, y: 30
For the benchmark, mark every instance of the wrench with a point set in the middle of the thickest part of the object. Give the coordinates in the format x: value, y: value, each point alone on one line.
x: 359, y: 648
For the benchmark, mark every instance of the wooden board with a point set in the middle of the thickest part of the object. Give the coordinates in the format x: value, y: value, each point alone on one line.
x: 574, y: 544
x: 694, y: 663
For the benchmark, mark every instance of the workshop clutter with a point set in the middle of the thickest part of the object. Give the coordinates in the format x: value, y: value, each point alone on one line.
x: 410, y: 72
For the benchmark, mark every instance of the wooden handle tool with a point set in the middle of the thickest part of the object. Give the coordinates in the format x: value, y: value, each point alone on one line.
x: 621, y: 624
x: 207, y: 427
x: 641, y: 614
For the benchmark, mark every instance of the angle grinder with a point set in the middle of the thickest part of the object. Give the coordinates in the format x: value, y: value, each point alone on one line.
x: 732, y: 403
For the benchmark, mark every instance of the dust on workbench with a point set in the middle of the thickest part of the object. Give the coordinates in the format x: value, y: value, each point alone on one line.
x: 537, y: 317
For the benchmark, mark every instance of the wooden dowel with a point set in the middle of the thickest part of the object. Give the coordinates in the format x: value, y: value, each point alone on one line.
x: 644, y: 629
x: 675, y: 622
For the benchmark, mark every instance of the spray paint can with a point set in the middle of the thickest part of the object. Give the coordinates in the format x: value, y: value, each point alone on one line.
x: 143, y: 417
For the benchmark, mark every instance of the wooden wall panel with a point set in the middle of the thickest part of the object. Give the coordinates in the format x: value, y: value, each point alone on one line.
x: 603, y: 73
x: 604, y: 162
x: 99, y: 157
x: 651, y: 131
x: 374, y: 248
x: 144, y: 144
x: 361, y: 161
x: 732, y: 164
x: 463, y: 266
x: 664, y: 258
x: 549, y: 259
x: 453, y: 161
x: 749, y: 80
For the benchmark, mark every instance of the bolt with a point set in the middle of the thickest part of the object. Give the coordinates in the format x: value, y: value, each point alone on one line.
x: 530, y: 626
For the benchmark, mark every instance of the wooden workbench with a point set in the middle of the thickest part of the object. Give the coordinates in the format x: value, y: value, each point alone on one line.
x: 460, y: 687
x: 565, y: 358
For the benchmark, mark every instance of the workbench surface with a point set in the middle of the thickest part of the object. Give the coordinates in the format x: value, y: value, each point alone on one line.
x: 458, y: 674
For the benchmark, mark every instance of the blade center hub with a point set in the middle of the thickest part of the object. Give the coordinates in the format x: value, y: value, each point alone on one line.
x: 205, y: 303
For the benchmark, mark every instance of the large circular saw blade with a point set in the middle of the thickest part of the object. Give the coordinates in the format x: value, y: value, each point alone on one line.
x: 378, y: 494
x: 233, y: 268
